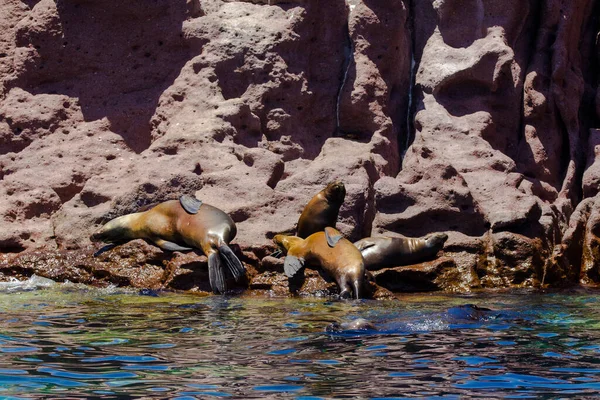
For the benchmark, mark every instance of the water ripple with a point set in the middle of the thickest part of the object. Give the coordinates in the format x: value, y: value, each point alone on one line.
x: 84, y: 376
x: 83, y: 343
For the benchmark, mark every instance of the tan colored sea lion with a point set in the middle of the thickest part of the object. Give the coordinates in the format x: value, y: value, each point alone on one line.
x: 383, y: 252
x: 322, y: 210
x: 181, y: 225
x: 329, y: 250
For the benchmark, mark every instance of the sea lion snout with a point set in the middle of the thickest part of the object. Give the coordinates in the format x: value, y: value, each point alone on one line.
x: 437, y: 240
x: 336, y: 192
x: 104, y: 236
x: 113, y: 231
x: 97, y: 236
x: 277, y: 239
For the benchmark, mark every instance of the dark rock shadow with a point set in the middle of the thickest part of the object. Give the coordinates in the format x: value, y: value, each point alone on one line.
x: 457, y: 23
x: 116, y: 57
x: 30, y: 3
x: 296, y: 283
x: 195, y: 275
x: 469, y: 222
x: 404, y: 281
x: 474, y: 90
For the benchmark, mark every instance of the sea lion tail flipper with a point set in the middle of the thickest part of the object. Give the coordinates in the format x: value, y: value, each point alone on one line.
x: 170, y: 246
x: 190, y: 204
x: 216, y: 275
x: 291, y: 265
x: 106, y: 248
x: 333, y: 236
x: 232, y: 262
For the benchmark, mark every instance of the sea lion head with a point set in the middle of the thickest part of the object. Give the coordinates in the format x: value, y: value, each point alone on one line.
x: 436, y: 240
x: 284, y: 242
x: 279, y: 241
x: 335, y: 192
x: 114, y: 231
x: 359, y: 324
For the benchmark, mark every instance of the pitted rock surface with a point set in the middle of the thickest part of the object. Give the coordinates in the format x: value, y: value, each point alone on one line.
x: 475, y: 118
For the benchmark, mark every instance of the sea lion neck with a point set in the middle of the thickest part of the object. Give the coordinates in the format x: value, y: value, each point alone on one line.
x: 117, y: 230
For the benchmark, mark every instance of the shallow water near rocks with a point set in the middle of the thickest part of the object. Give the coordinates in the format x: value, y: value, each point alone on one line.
x: 73, y: 341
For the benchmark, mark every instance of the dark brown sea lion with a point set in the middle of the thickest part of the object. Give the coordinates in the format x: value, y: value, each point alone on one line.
x: 181, y: 225
x: 359, y: 324
x: 383, y: 252
x: 329, y: 250
x: 322, y: 210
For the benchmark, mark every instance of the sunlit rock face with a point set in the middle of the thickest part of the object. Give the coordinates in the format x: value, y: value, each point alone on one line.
x: 476, y: 118
x: 501, y: 123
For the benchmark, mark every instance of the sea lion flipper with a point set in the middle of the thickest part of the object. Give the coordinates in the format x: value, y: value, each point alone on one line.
x: 106, y: 248
x: 358, y: 289
x: 333, y: 236
x: 216, y: 275
x: 291, y: 265
x: 190, y: 204
x: 170, y: 246
x: 232, y: 262
x: 363, y: 244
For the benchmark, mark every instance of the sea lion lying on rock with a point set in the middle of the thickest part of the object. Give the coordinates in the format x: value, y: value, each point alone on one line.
x: 329, y: 250
x: 181, y: 225
x: 383, y: 252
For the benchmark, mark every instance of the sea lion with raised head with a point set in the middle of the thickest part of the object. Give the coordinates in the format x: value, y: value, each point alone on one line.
x: 181, y: 225
x: 383, y: 252
x: 329, y: 250
x: 359, y: 324
x: 322, y: 210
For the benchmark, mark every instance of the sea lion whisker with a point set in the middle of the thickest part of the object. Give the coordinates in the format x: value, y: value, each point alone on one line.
x: 277, y: 253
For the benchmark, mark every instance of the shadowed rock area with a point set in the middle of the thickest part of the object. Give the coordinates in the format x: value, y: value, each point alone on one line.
x: 476, y: 118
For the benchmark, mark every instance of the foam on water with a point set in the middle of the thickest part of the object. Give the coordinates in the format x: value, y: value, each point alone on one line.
x: 33, y: 283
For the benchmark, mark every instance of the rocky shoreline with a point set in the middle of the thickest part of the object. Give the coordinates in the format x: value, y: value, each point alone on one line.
x: 144, y: 266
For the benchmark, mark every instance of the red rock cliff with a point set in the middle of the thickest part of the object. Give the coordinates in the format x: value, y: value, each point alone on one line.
x: 472, y: 117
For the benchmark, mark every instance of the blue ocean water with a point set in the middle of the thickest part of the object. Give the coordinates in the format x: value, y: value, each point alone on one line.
x: 74, y: 341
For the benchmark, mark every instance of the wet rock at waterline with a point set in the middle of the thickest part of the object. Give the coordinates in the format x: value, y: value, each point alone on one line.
x: 141, y: 265
x: 477, y: 118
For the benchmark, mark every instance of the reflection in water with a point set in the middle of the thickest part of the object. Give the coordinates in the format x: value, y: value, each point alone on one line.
x: 65, y: 340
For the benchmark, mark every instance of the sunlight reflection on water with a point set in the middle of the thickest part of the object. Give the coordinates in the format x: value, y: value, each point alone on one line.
x: 61, y: 340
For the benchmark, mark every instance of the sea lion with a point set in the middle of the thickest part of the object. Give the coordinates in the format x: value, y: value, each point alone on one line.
x: 358, y: 324
x: 181, y: 225
x: 472, y: 312
x: 382, y: 252
x: 332, y: 252
x: 322, y: 210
